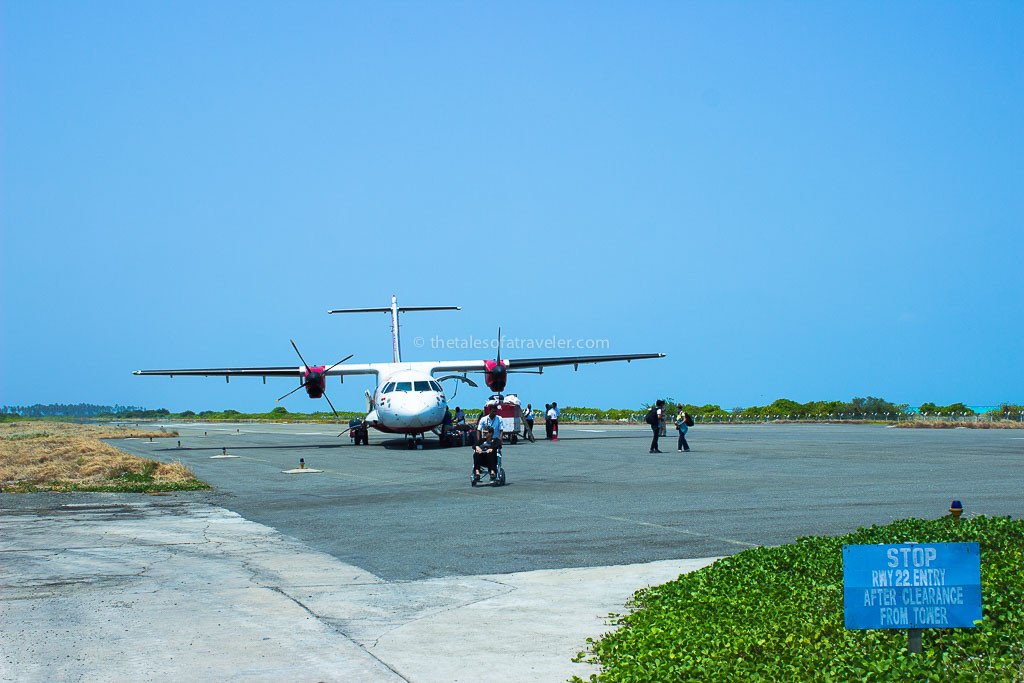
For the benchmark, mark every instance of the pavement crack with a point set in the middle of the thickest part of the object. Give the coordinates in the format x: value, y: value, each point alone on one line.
x: 334, y: 628
x: 444, y: 610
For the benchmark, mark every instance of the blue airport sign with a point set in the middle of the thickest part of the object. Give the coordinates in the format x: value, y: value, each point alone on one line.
x: 911, y: 585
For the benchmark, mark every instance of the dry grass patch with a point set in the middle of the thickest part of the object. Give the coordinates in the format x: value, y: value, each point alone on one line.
x: 951, y: 424
x: 61, y: 456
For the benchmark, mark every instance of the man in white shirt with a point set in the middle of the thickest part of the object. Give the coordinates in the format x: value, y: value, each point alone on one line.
x: 492, y: 421
x: 552, y: 419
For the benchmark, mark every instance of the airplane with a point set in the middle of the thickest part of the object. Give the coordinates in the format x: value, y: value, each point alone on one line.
x: 408, y: 399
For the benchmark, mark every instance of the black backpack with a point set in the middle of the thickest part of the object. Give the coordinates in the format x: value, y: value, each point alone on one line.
x: 689, y: 420
x: 652, y: 416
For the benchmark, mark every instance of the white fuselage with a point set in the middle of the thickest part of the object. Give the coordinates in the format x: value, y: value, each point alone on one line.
x: 407, y: 402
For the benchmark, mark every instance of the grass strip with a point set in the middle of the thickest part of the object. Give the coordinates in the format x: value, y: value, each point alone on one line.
x: 126, y: 487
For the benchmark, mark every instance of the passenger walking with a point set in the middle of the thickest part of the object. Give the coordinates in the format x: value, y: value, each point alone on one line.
x: 548, y: 421
x: 528, y: 422
x: 682, y: 426
x: 654, y: 418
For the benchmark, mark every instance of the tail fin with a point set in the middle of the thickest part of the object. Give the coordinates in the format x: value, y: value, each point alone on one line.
x: 394, y: 310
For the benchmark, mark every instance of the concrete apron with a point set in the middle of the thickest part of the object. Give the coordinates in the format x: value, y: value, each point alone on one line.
x: 165, y: 589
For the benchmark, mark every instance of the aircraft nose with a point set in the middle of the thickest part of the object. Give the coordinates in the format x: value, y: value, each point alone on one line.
x: 430, y: 411
x: 419, y: 410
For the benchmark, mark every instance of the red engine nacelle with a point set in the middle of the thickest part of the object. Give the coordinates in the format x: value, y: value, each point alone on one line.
x: 496, y: 375
x: 316, y: 381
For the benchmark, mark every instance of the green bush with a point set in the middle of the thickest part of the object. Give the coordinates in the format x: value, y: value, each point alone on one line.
x: 777, y: 614
x: 952, y: 409
x: 1007, y: 411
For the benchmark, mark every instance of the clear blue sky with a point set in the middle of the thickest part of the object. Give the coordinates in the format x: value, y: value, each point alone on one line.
x: 803, y: 200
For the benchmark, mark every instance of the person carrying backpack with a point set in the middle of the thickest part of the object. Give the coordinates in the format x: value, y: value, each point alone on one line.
x: 654, y: 417
x: 683, y: 422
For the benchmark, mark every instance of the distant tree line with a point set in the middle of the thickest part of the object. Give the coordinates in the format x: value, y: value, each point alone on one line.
x: 854, y: 408
x: 66, y: 410
x: 786, y: 407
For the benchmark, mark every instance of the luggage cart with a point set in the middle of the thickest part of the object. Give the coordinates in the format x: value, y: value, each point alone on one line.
x: 510, y: 412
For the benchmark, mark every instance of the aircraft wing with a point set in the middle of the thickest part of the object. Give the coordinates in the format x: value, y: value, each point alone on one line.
x: 540, y: 363
x: 275, y: 371
x: 521, y: 363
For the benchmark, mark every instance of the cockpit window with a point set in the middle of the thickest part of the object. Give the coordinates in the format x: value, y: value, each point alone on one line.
x: 388, y: 388
x: 435, y: 386
x: 422, y: 386
x: 403, y: 386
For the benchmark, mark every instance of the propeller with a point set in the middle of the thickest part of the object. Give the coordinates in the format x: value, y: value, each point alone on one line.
x: 300, y: 354
x: 349, y: 429
x: 497, y: 374
x: 339, y: 363
x: 507, y: 371
x: 291, y: 392
x: 315, y: 375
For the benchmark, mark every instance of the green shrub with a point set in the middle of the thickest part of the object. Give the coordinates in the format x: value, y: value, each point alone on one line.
x: 777, y: 614
x: 952, y: 409
x: 130, y: 484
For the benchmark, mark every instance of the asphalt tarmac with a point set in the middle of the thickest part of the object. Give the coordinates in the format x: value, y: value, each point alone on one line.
x: 596, y: 497
x: 388, y: 566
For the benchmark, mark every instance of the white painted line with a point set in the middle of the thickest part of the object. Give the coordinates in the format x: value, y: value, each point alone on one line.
x: 595, y: 431
x: 304, y: 470
x: 214, y: 457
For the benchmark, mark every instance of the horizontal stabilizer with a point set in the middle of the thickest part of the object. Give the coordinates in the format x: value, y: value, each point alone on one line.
x: 400, y: 309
